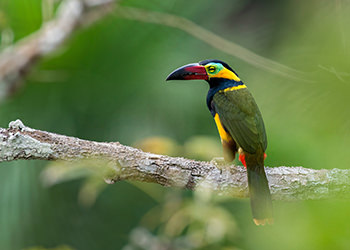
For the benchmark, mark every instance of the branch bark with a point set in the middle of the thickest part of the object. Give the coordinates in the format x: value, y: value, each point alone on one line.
x: 19, y: 142
x: 16, y: 60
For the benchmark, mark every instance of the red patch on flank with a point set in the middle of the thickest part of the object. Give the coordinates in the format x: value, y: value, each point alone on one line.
x: 242, y: 159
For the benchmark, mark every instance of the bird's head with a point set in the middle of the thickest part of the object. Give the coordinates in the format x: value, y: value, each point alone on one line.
x: 209, y: 70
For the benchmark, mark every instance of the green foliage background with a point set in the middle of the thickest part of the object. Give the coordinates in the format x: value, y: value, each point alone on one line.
x: 107, y: 83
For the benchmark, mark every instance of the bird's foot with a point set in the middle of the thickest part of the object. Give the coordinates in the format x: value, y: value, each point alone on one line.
x: 220, y: 162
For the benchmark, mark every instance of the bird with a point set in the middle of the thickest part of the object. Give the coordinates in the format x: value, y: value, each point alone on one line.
x: 240, y: 126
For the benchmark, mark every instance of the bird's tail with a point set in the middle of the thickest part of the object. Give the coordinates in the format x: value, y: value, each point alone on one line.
x: 260, y: 197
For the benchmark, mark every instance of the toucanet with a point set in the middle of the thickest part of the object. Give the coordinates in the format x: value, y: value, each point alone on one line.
x: 240, y: 125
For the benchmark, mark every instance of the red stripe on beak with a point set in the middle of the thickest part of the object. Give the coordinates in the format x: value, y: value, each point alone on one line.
x: 199, y: 72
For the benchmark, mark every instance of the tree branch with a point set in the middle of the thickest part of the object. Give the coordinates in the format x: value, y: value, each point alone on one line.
x: 16, y: 60
x: 127, y: 163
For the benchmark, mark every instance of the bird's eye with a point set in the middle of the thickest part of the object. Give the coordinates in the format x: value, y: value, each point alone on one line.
x: 211, y: 69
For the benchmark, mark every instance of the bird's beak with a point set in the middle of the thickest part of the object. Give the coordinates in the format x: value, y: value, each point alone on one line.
x: 189, y: 72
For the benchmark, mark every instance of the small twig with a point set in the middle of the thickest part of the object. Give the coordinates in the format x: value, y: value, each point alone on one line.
x: 19, y: 142
x: 212, y: 39
x: 338, y: 74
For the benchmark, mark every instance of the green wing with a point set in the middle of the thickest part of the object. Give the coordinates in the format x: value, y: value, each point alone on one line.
x: 241, y: 117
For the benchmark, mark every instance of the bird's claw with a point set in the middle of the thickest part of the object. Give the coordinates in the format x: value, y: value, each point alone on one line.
x: 219, y: 162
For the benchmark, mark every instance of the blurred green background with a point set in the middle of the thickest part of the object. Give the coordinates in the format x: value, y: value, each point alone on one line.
x: 107, y: 83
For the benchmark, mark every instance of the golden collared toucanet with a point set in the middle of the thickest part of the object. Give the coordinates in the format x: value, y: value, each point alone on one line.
x: 240, y: 126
